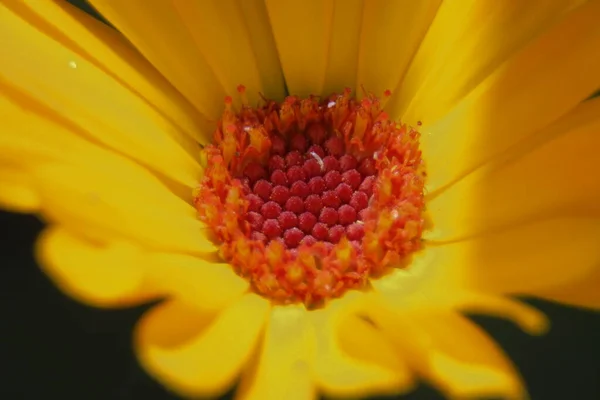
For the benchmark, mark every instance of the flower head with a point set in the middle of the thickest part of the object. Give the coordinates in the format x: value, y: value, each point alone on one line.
x: 310, y: 198
x: 304, y: 242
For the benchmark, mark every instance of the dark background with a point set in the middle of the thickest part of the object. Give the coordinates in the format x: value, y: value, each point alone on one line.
x: 53, y: 347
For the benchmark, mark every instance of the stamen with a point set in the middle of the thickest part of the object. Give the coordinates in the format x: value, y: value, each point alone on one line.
x: 319, y: 160
x: 310, y: 198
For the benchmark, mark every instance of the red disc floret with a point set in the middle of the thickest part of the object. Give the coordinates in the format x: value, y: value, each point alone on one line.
x: 312, y: 167
x: 316, y: 151
x: 344, y: 192
x: 295, y: 174
x: 254, y: 202
x: 306, y: 221
x: 328, y: 216
x: 254, y: 171
x: 320, y: 231
x: 255, y: 220
x: 295, y: 205
x: 278, y: 145
x: 271, y: 229
x: 276, y: 162
x: 347, y: 162
x: 330, y: 163
x: 311, y: 197
x: 280, y: 194
x: 262, y: 189
x: 292, y: 237
x: 313, y: 204
x: 270, y: 209
x: 336, y: 233
x: 332, y: 179
x: 346, y: 215
x: 299, y: 142
x: 287, y: 220
x: 317, y: 185
x: 300, y: 189
x: 331, y: 199
x: 294, y: 158
x: 279, y: 178
x: 352, y: 178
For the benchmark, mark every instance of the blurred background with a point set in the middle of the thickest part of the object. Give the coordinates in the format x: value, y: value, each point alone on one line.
x: 53, y: 347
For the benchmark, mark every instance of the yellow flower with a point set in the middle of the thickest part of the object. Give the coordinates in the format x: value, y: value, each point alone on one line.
x: 100, y: 137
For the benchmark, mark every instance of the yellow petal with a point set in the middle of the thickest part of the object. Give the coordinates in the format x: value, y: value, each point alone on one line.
x: 99, y: 107
x: 33, y: 140
x: 228, y: 33
x: 428, y: 281
x: 16, y: 192
x: 105, y: 274
x: 110, y: 51
x: 204, y: 49
x: 317, y: 43
x: 119, y: 199
x: 202, y: 283
x: 282, y: 370
x: 542, y: 82
x: 260, y: 34
x: 582, y: 293
x: 521, y: 259
x: 355, y: 362
x: 528, y: 318
x: 435, y: 280
x: 361, y: 341
x: 552, y: 174
x: 95, y: 191
x: 35, y: 136
x: 200, y: 353
x: 465, y: 43
x: 453, y: 353
x: 391, y: 34
x: 555, y: 259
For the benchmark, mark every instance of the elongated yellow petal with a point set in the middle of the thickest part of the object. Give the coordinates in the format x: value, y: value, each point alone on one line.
x: 523, y: 259
x: 227, y: 33
x: 283, y: 369
x: 582, y: 293
x: 317, y: 43
x: 453, y: 353
x: 552, y: 174
x: 95, y: 191
x: 16, y: 191
x: 99, y: 107
x: 391, y: 34
x: 200, y: 353
x: 110, y: 51
x: 105, y: 274
x: 204, y: 49
x: 516, y: 100
x: 115, y: 198
x: 376, y: 370
x: 528, y: 318
x: 555, y: 259
x: 32, y: 140
x: 426, y: 282
x: 117, y: 273
x: 465, y: 43
x: 361, y: 341
x: 202, y: 283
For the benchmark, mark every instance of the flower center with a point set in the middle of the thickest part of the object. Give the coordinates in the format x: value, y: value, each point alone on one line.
x: 310, y: 198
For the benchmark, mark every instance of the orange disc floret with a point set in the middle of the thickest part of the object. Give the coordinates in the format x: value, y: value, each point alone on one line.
x: 310, y: 197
